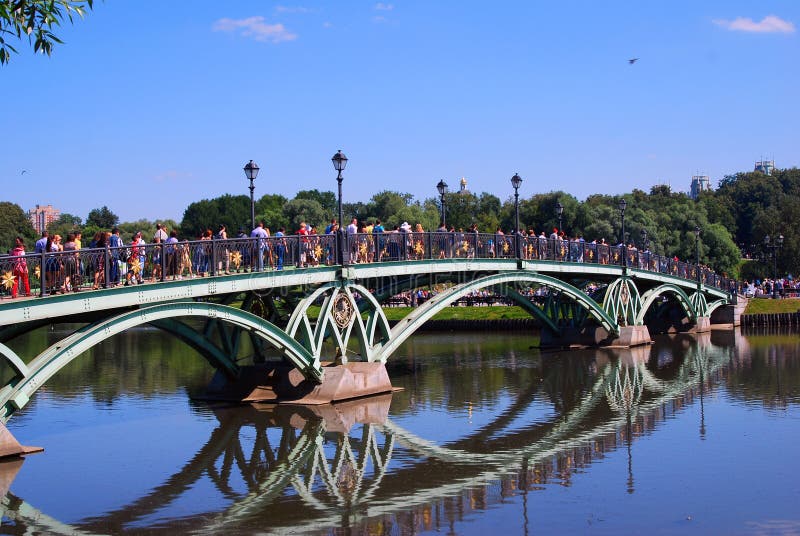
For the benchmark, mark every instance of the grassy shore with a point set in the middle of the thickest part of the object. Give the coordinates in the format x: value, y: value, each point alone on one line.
x: 494, y: 312
x: 755, y: 306
x: 767, y: 305
x: 502, y: 312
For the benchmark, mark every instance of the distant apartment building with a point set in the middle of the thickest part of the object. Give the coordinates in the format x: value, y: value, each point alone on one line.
x: 765, y: 166
x: 700, y: 183
x: 42, y: 216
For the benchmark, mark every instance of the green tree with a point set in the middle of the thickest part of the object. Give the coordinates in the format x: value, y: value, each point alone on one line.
x: 232, y: 211
x: 719, y: 251
x: 65, y: 224
x: 488, y: 217
x: 35, y: 20
x: 102, y: 218
x: 749, y: 194
x: 387, y: 206
x: 13, y: 223
x: 462, y: 209
x: 327, y: 200
x: 269, y: 209
x: 357, y: 209
x: 303, y: 210
x: 129, y: 228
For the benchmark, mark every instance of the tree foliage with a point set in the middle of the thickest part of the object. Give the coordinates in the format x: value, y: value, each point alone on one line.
x: 327, y: 200
x: 269, y: 209
x: 232, y: 211
x: 65, y: 224
x: 303, y: 210
x: 13, y: 223
x: 102, y: 218
x: 35, y: 21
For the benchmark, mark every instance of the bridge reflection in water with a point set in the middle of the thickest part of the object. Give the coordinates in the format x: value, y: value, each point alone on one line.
x: 300, y: 469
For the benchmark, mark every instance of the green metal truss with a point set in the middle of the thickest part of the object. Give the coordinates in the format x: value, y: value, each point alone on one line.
x: 407, y: 326
x: 622, y: 302
x: 17, y: 392
x: 699, y: 303
x: 340, y: 320
x: 649, y: 297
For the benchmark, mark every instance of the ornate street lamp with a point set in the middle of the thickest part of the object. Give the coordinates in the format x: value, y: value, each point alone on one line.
x: 251, y: 172
x: 339, y: 162
x: 442, y: 187
x: 622, y: 206
x: 645, y: 240
x: 774, y: 246
x: 559, y: 213
x: 516, y: 182
x: 697, y: 255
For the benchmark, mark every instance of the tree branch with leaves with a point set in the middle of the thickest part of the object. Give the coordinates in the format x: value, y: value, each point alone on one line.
x: 36, y: 20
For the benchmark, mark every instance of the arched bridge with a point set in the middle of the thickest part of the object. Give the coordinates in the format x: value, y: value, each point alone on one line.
x: 313, y: 299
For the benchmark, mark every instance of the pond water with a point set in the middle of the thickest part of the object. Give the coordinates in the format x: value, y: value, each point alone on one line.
x: 693, y: 434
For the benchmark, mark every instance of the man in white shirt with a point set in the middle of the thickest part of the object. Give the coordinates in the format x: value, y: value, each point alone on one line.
x: 352, y: 243
x: 259, y: 245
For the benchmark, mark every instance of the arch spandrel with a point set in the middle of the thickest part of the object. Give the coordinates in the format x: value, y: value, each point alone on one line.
x: 407, y: 326
x: 340, y: 320
x: 623, y: 302
x: 649, y: 297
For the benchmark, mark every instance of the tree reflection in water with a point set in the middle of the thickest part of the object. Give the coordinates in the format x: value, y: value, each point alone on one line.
x: 310, y: 469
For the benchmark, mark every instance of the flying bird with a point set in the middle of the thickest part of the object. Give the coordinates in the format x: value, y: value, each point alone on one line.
x: 632, y: 60
x: 23, y: 172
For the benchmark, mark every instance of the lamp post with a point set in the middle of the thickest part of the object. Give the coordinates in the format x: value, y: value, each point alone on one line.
x: 774, y: 246
x: 622, y: 206
x: 442, y: 187
x: 559, y: 213
x: 516, y: 182
x: 697, y: 255
x: 645, y: 241
x: 339, y: 162
x: 251, y: 172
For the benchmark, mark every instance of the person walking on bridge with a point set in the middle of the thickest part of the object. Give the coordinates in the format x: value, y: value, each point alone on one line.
x: 280, y: 247
x: 116, y: 244
x: 259, y: 245
x: 352, y: 230
x: 20, y: 270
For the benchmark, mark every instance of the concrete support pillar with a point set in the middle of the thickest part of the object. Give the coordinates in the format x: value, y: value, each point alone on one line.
x: 9, y: 446
x: 595, y: 336
x: 278, y: 383
x: 702, y: 325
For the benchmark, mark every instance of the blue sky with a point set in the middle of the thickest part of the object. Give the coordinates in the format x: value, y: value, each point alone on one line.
x: 150, y: 105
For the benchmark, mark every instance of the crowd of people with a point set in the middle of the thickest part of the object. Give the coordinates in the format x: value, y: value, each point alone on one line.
x: 108, y: 260
x: 785, y: 287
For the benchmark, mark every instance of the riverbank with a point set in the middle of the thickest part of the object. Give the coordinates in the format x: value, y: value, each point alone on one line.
x: 770, y: 313
x: 769, y: 306
x: 763, y: 311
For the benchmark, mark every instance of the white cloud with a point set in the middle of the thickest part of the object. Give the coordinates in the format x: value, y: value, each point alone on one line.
x: 378, y: 19
x: 380, y: 6
x: 769, y: 24
x: 255, y: 28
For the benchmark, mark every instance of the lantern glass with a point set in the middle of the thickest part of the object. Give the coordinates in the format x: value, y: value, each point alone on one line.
x: 339, y: 161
